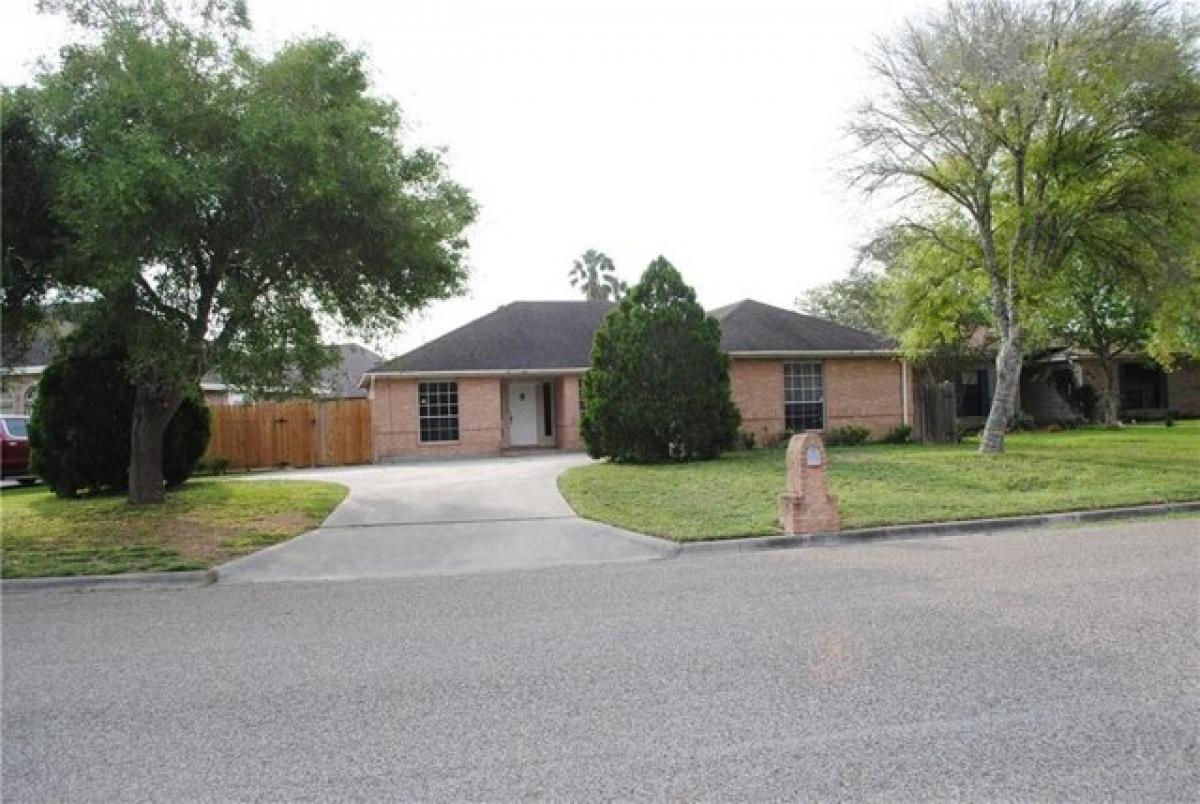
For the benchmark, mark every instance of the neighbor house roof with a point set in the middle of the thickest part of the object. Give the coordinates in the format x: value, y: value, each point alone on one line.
x: 34, y: 357
x: 750, y: 327
x: 557, y: 336
x: 339, y: 380
x: 524, y: 335
x: 342, y: 379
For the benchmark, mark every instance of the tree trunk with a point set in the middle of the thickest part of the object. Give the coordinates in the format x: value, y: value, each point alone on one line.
x: 1008, y: 379
x: 153, y: 408
x: 1109, y: 400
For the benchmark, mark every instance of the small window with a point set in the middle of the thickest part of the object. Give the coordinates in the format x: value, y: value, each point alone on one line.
x: 972, y: 393
x: 30, y: 397
x: 548, y: 410
x: 438, y: 411
x: 803, y: 396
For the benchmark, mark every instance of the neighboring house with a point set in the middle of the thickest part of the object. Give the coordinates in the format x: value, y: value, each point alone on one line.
x: 511, y: 379
x: 343, y: 379
x: 1144, y: 390
x: 18, y: 382
x: 1051, y: 379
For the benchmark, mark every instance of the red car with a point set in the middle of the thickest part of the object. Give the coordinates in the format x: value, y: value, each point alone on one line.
x: 14, y: 448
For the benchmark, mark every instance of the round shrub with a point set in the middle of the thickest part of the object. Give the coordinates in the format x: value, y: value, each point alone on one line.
x: 658, y: 388
x: 186, y: 439
x: 80, y: 429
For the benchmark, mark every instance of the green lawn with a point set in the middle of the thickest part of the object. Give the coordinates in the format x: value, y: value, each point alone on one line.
x: 877, y: 485
x: 202, y: 524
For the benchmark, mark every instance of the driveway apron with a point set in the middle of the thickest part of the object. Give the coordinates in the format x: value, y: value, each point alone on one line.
x: 444, y: 517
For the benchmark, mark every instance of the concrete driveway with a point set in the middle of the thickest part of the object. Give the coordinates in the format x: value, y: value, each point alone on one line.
x: 444, y: 517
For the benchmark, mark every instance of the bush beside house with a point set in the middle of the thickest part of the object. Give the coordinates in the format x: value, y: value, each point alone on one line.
x: 658, y: 387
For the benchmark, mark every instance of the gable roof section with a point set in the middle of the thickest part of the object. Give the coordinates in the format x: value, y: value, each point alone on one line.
x: 557, y: 335
x: 749, y: 327
x: 525, y: 335
x: 342, y: 379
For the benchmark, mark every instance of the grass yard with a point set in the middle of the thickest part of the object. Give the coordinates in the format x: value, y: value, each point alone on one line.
x: 202, y: 524
x: 880, y: 485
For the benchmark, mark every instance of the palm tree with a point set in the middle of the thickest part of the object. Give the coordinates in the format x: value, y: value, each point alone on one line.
x: 595, y: 275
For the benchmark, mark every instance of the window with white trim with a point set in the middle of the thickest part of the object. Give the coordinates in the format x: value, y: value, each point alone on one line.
x: 803, y: 396
x: 438, y: 411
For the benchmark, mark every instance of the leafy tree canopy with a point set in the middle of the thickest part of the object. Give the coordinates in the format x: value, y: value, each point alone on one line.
x: 595, y: 275
x: 1035, y: 126
x: 32, y: 235
x: 859, y: 300
x: 236, y: 202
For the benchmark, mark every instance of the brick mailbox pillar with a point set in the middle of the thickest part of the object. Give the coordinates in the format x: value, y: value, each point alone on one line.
x: 807, y: 506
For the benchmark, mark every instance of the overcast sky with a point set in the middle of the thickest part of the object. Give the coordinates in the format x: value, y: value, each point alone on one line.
x: 709, y: 132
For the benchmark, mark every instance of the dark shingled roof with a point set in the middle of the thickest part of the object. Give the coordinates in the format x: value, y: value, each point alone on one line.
x: 521, y: 335
x: 751, y: 326
x: 342, y: 379
x: 37, y: 352
x: 558, y: 335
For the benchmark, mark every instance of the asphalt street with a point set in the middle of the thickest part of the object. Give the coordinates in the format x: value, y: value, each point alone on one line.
x: 1052, y: 664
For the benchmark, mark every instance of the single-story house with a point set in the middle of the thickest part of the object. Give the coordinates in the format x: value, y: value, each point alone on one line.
x: 511, y: 379
x: 1050, y: 382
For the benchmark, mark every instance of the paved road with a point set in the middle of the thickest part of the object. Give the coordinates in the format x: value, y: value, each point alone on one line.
x: 1058, y: 664
x: 446, y: 517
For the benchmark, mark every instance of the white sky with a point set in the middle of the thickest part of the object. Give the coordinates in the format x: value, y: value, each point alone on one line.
x: 709, y: 131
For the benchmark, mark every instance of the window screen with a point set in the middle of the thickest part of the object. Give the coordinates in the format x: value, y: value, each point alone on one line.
x: 803, y: 396
x: 438, y: 411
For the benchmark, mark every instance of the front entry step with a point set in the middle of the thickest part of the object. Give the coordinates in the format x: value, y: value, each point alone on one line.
x: 517, y: 452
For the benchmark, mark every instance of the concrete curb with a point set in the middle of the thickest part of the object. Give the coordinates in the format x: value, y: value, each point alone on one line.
x: 976, y: 526
x: 191, y: 579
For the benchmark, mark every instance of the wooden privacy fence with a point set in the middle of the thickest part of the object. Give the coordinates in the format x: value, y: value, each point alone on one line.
x: 937, y: 420
x: 292, y: 434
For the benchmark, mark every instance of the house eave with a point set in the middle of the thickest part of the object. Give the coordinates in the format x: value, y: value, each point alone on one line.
x: 413, y: 375
x: 22, y: 371
x: 813, y: 353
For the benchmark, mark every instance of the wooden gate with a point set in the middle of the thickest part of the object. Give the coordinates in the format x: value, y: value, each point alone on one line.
x: 937, y: 422
x: 271, y: 434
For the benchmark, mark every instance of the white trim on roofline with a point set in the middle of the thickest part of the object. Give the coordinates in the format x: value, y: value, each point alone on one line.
x: 817, y: 353
x: 22, y: 371
x: 412, y: 375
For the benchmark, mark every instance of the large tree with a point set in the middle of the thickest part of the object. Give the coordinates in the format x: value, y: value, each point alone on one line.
x: 1097, y: 306
x: 858, y: 300
x: 1028, y: 123
x: 595, y: 275
x: 227, y: 205
x: 32, y: 233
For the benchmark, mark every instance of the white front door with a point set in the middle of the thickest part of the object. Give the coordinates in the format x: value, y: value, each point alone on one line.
x: 522, y: 414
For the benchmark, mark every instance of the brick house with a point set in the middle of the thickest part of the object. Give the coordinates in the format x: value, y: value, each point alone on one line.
x: 1049, y: 379
x: 511, y: 379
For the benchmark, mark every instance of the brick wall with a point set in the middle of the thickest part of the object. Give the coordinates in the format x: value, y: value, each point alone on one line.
x: 858, y: 391
x: 864, y: 392
x: 1183, y: 388
x: 566, y: 409
x: 394, y: 416
x: 1183, y: 385
x: 757, y: 387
